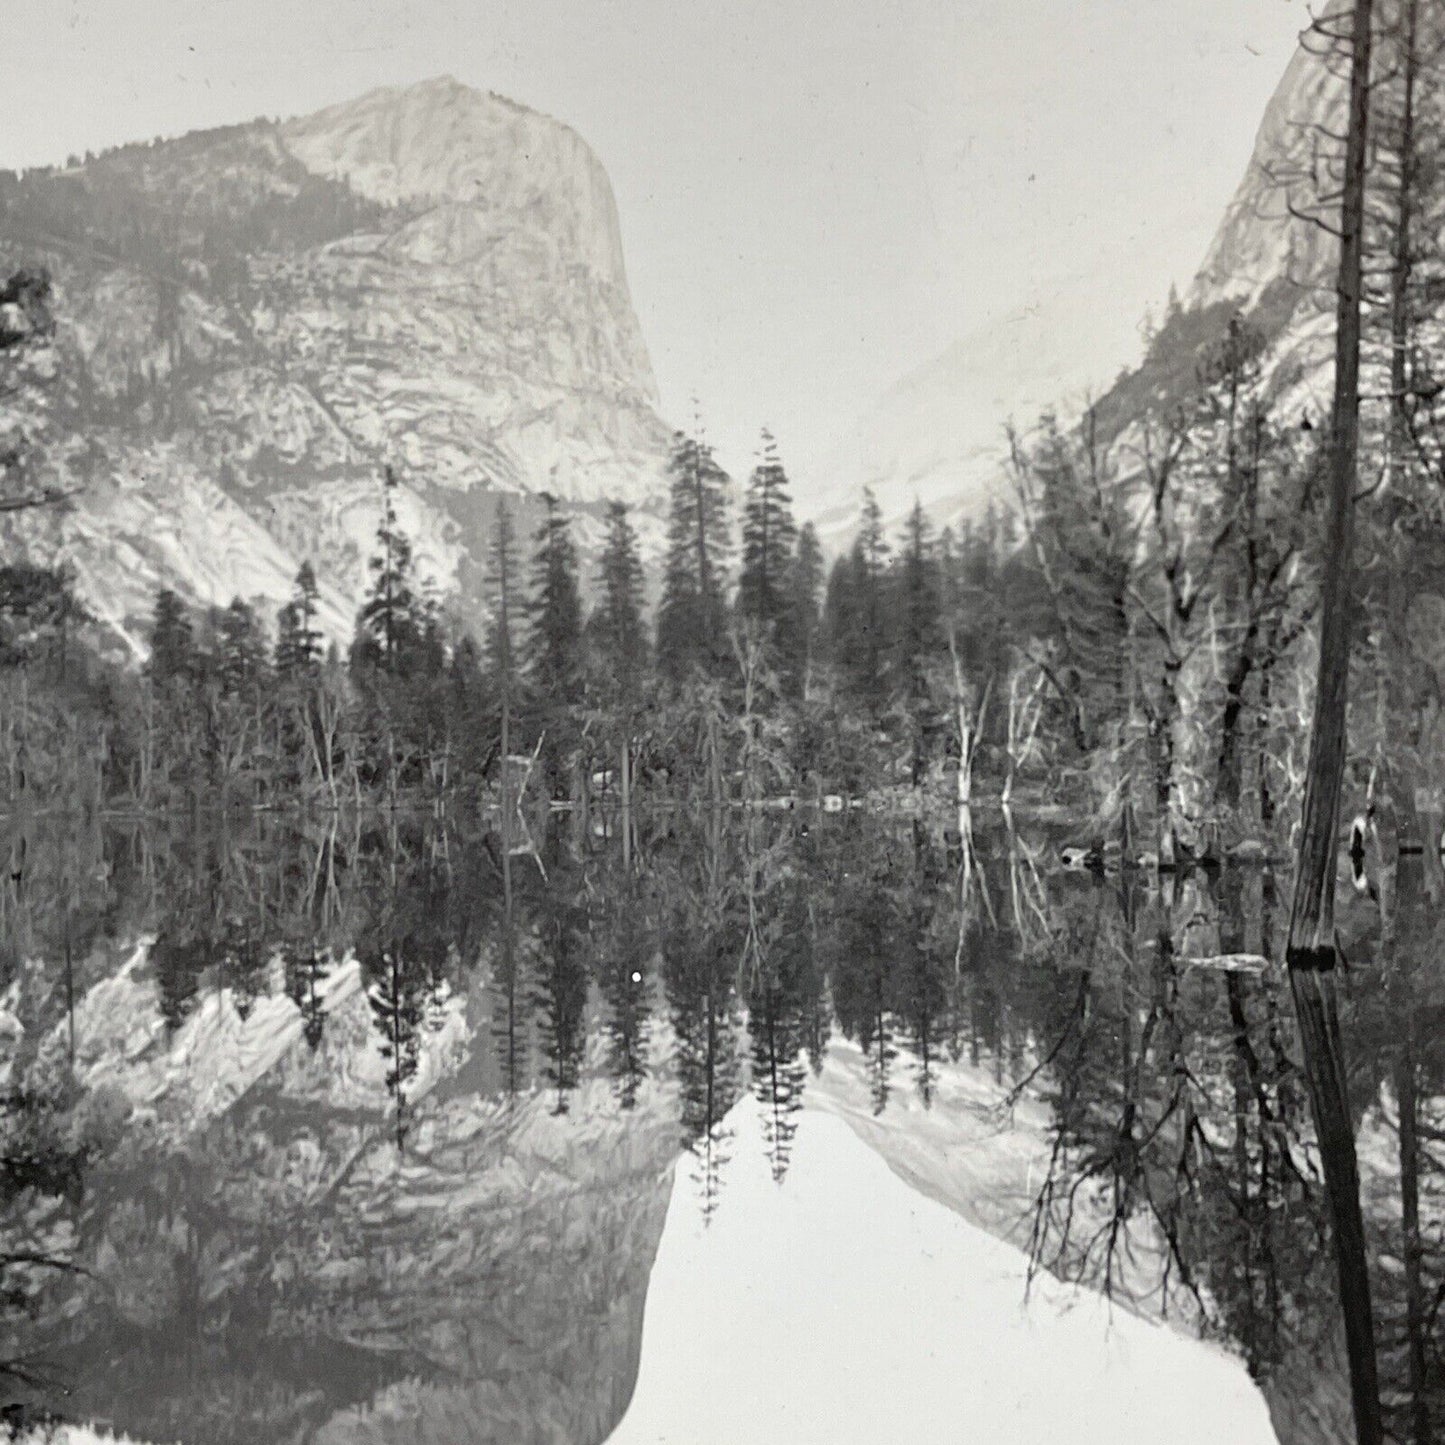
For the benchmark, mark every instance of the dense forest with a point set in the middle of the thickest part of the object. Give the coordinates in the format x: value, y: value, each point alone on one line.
x: 1126, y: 635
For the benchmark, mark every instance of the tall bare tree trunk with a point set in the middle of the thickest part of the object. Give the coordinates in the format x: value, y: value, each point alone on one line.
x: 1311, y: 953
x: 627, y: 802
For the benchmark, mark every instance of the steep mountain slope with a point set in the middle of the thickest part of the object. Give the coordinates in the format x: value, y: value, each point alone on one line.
x: 253, y: 320
x: 1265, y: 235
x: 939, y: 434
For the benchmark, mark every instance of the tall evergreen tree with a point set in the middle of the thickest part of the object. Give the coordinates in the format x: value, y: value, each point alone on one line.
x: 502, y: 595
x: 769, y: 534
x: 468, y: 705
x: 299, y: 644
x: 554, y: 644
x: 618, y: 631
x: 389, y: 625
x: 554, y: 641
x: 800, y: 634
x: 916, y: 601
x: 856, y: 611
x: 692, y: 615
x: 501, y: 645
x: 172, y: 640
x: 242, y: 659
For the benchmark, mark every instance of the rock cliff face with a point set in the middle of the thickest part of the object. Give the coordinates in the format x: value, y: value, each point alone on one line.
x: 253, y: 320
x: 939, y: 434
x: 1264, y: 237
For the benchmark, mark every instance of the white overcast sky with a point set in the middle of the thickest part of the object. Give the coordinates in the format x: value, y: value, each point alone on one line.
x: 816, y: 195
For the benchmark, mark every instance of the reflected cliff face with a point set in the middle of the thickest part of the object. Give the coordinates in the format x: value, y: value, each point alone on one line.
x: 347, y: 1132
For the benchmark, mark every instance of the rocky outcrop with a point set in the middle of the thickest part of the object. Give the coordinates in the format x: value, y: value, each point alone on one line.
x: 252, y: 321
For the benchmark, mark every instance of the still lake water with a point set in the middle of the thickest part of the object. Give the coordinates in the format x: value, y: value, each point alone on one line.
x: 794, y: 1128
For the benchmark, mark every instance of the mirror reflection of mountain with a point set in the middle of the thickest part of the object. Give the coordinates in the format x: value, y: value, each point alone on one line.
x: 368, y: 1131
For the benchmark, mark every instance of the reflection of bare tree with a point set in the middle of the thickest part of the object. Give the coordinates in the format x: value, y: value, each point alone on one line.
x: 1404, y: 1214
x: 1176, y: 1177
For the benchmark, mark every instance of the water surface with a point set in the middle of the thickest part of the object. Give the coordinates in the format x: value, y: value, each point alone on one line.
x: 331, y: 1131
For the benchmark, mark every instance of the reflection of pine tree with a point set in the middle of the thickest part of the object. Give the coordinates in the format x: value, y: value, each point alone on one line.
x: 922, y: 1006
x: 306, y: 971
x: 698, y: 973
x: 511, y: 1027
x: 178, y: 961
x: 776, y: 1013
x: 800, y: 938
x: 876, y: 1040
x: 243, y: 962
x: 397, y: 993
x: 860, y: 974
x: 560, y: 998
x: 623, y: 982
x: 922, y: 969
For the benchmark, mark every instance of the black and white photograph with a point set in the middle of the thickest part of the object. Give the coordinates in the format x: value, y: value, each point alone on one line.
x: 722, y: 724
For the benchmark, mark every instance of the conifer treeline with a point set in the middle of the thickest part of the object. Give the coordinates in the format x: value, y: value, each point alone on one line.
x: 1128, y: 640
x: 751, y: 682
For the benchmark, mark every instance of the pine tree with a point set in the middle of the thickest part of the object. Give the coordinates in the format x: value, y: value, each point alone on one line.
x: 840, y: 604
x: 501, y: 645
x: 468, y: 705
x: 618, y: 632
x: 554, y: 645
x: 389, y: 625
x: 502, y: 583
x: 172, y: 640
x: 299, y: 644
x: 805, y: 592
x: 242, y: 660
x: 856, y: 614
x: 769, y: 534
x: 554, y: 642
x: 692, y: 615
x: 916, y: 598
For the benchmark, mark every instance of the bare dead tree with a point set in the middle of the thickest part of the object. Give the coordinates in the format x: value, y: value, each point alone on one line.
x: 1312, y: 953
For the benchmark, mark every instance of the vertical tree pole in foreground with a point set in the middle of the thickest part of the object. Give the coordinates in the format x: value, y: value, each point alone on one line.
x: 502, y: 558
x: 1311, y: 953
